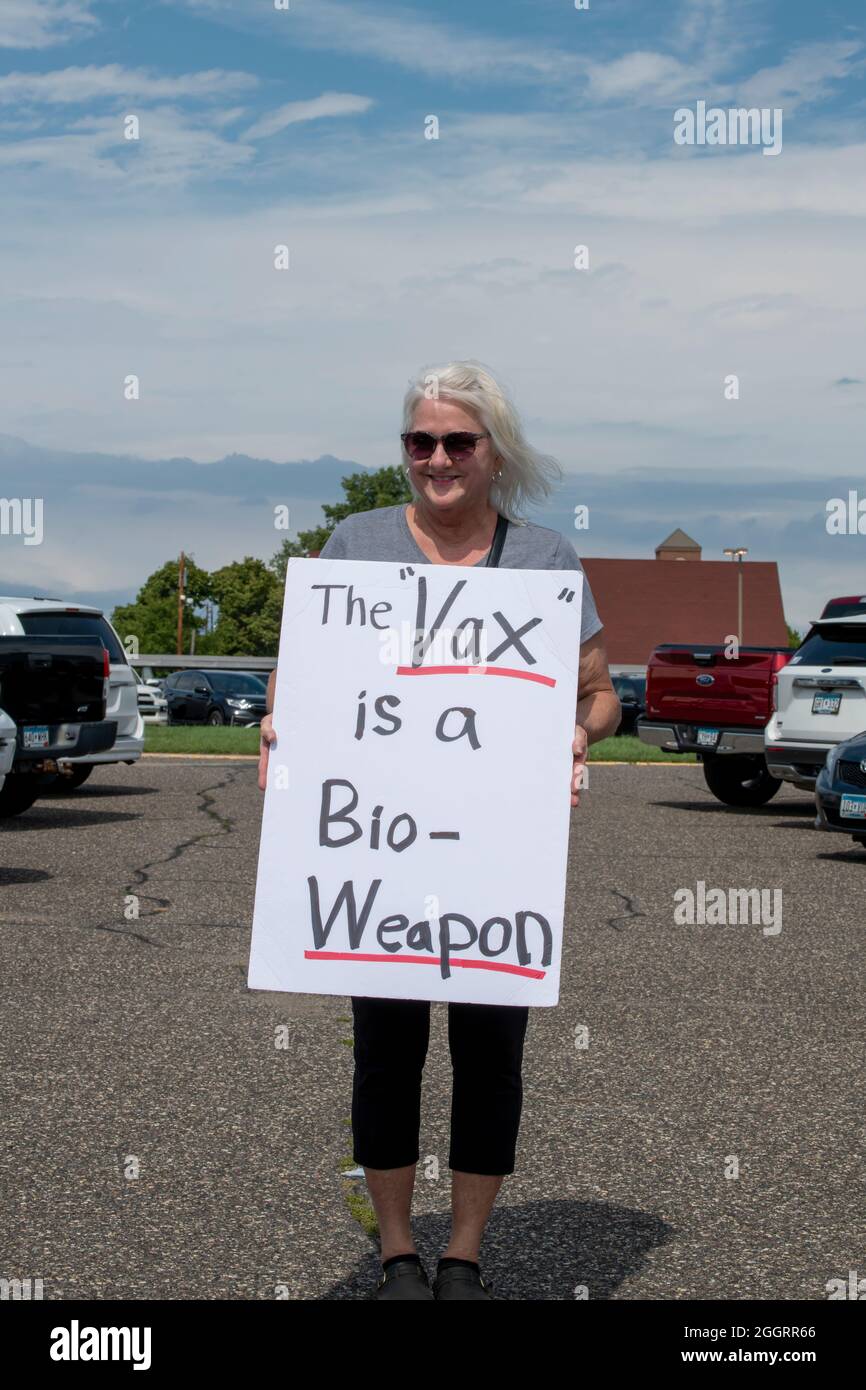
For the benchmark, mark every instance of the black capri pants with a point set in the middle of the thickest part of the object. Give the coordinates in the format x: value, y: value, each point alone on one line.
x: 486, y: 1044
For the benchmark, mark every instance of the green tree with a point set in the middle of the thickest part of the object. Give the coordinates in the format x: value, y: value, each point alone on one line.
x: 152, y: 618
x: 794, y: 637
x: 288, y: 550
x: 364, y: 492
x: 250, y: 603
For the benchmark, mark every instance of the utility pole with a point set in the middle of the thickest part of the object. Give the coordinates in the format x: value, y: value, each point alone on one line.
x: 181, y: 567
x: 738, y: 554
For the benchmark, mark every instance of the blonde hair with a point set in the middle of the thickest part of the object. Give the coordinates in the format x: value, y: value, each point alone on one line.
x: 527, y: 475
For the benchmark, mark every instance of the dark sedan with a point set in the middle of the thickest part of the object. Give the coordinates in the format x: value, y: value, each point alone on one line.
x: 215, y: 697
x: 840, y: 791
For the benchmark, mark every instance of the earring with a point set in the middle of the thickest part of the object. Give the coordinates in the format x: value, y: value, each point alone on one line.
x: 497, y: 475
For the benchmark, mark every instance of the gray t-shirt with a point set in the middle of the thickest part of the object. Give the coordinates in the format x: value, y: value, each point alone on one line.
x: 383, y: 534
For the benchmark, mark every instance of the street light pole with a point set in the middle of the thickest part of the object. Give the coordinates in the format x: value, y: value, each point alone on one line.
x: 181, y: 575
x: 738, y: 554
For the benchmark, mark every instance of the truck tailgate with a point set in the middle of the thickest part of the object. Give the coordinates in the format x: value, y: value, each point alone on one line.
x: 701, y: 685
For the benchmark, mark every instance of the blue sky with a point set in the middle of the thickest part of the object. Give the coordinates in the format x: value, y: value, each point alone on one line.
x: 306, y: 127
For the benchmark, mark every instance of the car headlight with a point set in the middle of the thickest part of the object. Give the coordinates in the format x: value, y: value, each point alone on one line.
x: 239, y: 704
x: 831, y: 761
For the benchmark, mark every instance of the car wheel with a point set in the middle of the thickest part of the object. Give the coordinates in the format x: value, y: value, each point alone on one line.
x: 18, y: 793
x: 216, y: 716
x: 739, y: 781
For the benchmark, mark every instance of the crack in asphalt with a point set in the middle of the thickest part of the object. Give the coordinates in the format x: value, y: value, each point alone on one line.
x: 141, y: 873
x: 634, y: 909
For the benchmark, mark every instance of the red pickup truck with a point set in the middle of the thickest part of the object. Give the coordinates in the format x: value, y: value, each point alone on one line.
x: 700, y: 699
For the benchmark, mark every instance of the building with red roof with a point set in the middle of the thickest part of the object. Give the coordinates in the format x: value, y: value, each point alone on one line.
x: 680, y: 597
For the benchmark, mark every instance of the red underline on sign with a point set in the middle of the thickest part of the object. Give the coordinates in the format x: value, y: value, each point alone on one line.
x: 475, y: 671
x: 427, y: 960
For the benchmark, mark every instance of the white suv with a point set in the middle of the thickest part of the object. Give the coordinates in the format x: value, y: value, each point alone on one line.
x: 819, y: 699
x: 51, y: 616
x: 8, y: 734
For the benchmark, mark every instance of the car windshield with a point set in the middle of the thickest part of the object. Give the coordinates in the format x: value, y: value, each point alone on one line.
x: 60, y: 624
x: 630, y: 687
x: 235, y: 683
x: 833, y: 646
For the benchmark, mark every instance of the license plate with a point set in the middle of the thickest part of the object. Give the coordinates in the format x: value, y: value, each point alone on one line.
x: 853, y: 807
x: 36, y: 736
x: 826, y: 704
x: 708, y: 738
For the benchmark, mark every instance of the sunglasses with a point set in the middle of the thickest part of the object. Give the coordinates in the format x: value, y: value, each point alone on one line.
x: 459, y: 445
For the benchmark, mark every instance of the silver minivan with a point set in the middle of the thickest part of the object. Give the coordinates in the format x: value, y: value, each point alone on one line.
x: 51, y: 616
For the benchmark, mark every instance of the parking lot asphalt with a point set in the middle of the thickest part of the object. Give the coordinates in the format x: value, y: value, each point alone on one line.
x: 158, y: 1143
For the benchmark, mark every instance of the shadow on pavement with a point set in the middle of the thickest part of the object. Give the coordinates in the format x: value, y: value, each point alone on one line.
x: 58, y: 792
x: 538, y: 1251
x: 39, y: 817
x: 764, y: 812
x: 15, y: 875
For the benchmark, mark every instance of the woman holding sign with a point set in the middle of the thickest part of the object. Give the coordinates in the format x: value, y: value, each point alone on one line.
x: 471, y: 472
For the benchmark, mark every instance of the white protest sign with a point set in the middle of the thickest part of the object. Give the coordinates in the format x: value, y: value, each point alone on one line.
x: 416, y: 816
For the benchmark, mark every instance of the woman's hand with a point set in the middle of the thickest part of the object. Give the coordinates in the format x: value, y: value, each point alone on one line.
x: 268, y: 737
x: 579, y: 751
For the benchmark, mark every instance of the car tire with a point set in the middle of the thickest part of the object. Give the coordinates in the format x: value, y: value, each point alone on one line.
x: 740, y: 781
x: 18, y: 793
x: 215, y: 718
x: 78, y: 776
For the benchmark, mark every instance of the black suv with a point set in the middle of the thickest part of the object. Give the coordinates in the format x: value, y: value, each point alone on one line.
x: 215, y: 697
x: 631, y: 691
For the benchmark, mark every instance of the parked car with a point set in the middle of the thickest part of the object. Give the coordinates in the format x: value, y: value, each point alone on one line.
x: 840, y: 789
x: 844, y: 607
x: 701, y: 700
x: 8, y: 733
x: 54, y: 692
x: 631, y: 691
x: 215, y: 697
x: 820, y: 700
x: 51, y: 617
x: 152, y: 704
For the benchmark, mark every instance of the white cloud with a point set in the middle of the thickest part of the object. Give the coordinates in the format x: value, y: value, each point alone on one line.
x: 73, y: 85
x: 644, y: 76
x: 805, y: 76
x: 173, y: 149
x: 44, y: 23
x: 698, y: 189
x: 328, y: 104
x: 721, y: 34
x: 398, y: 35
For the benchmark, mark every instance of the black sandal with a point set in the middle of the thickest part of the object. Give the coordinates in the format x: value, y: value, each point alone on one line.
x: 459, y: 1281
x: 404, y: 1280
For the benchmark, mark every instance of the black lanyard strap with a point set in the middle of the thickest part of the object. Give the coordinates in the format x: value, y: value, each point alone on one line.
x: 498, y: 542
